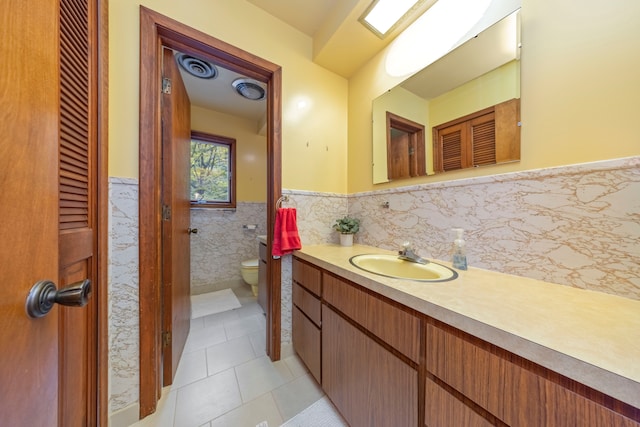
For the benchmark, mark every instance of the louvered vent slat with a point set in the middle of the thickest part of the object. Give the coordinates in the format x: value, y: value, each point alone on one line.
x: 75, y: 63
x: 77, y: 168
x: 76, y: 145
x: 73, y: 204
x: 74, y: 192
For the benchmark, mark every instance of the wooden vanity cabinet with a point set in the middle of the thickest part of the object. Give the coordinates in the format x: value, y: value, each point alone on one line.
x: 383, y: 364
x: 505, y: 389
x: 370, y: 355
x: 306, y: 315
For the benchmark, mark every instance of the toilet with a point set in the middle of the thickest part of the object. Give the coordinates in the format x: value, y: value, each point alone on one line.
x: 249, y: 271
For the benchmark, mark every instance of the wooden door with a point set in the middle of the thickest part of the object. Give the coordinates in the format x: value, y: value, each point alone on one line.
x: 399, y: 155
x: 48, y: 205
x: 176, y: 150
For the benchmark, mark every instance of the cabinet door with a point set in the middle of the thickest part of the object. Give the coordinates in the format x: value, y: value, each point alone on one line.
x: 368, y: 384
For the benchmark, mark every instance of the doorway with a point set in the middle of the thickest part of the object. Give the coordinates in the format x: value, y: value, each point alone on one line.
x: 158, y: 31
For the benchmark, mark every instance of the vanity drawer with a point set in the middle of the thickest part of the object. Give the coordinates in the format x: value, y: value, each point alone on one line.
x: 307, y: 303
x: 398, y: 328
x: 306, y: 342
x: 307, y: 276
x: 514, y: 390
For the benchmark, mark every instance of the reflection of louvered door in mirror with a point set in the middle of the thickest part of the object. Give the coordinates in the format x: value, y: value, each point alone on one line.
x: 486, y: 137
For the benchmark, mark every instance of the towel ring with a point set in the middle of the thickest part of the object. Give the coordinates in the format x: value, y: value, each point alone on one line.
x: 284, y: 199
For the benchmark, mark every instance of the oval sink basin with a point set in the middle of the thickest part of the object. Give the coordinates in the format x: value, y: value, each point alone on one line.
x: 393, y: 267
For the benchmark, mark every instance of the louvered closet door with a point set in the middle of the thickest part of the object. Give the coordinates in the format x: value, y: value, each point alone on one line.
x: 78, y: 208
x: 47, y: 205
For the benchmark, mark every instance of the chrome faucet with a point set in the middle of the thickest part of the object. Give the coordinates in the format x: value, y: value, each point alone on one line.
x: 407, y: 254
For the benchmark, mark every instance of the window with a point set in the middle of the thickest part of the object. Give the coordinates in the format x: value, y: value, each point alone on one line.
x: 213, y: 167
x: 486, y: 137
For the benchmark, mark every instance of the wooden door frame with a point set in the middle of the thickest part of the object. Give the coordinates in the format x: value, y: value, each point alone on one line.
x: 156, y: 31
x: 101, y: 292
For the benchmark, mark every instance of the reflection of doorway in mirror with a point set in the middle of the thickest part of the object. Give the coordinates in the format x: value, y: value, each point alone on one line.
x: 405, y: 148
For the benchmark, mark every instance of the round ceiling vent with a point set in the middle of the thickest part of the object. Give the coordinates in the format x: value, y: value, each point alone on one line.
x: 249, y: 89
x: 197, y: 67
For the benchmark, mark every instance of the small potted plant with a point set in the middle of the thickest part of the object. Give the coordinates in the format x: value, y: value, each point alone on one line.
x: 347, y: 227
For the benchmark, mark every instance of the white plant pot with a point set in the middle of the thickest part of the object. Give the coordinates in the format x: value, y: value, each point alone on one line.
x: 346, y: 239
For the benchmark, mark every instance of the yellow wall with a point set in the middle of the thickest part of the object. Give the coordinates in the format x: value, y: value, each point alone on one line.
x: 251, y: 150
x: 501, y: 84
x: 580, y: 91
x: 314, y: 138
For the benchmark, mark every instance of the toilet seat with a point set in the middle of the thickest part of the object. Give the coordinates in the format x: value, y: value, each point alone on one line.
x: 250, y: 263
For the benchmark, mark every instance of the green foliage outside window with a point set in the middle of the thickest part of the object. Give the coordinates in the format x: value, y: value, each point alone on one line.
x: 210, y: 175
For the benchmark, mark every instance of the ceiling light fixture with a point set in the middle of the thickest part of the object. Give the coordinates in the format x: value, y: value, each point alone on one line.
x: 249, y: 89
x: 432, y: 35
x: 383, y: 15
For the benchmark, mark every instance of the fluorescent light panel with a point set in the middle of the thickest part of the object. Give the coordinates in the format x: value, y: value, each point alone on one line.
x: 433, y: 34
x: 384, y: 14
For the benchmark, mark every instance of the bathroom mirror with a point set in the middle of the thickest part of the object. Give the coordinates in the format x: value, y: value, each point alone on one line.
x: 482, y: 72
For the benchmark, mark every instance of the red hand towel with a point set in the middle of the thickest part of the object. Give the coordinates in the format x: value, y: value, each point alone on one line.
x: 285, y: 232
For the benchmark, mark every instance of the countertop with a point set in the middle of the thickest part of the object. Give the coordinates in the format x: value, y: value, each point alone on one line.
x: 591, y: 337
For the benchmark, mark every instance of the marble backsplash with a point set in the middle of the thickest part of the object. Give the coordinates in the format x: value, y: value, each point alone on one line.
x: 221, y: 244
x: 574, y: 225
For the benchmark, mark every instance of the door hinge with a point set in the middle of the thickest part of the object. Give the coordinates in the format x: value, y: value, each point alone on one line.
x: 166, y: 85
x: 166, y: 213
x: 166, y: 338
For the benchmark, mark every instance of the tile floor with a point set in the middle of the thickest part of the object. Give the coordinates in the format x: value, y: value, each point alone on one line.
x: 225, y: 378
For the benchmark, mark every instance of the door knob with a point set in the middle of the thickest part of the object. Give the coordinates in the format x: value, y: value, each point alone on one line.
x: 192, y: 230
x: 44, y: 294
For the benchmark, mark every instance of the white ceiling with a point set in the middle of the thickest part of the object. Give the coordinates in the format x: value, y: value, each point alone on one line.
x: 219, y: 95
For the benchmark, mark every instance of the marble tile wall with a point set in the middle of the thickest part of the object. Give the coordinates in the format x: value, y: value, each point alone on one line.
x: 123, y: 294
x: 222, y: 244
x: 576, y: 225
x: 316, y: 213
